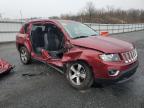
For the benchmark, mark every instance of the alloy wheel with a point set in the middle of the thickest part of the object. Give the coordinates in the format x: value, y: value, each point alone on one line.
x: 77, y: 74
x: 23, y: 55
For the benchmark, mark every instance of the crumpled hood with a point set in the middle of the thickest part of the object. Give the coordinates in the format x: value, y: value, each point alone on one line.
x: 104, y: 44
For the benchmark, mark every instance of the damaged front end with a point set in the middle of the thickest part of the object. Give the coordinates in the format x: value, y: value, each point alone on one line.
x: 5, y: 67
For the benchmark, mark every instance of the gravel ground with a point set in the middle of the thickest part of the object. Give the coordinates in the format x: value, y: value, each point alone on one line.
x: 47, y: 88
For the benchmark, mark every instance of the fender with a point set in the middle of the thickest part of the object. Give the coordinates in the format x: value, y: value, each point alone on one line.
x: 23, y: 39
x: 87, y: 55
x: 72, y: 55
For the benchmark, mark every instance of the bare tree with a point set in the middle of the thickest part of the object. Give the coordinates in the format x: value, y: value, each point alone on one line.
x: 89, y: 14
x: 142, y: 16
x: 90, y: 10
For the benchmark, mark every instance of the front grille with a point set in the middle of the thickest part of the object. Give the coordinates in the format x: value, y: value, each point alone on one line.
x: 130, y: 56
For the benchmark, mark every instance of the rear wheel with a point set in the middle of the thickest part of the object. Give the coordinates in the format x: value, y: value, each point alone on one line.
x: 25, y: 55
x: 79, y: 75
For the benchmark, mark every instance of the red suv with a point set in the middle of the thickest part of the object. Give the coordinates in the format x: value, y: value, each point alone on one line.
x: 77, y: 51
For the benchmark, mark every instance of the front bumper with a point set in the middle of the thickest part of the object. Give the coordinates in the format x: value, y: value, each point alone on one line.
x: 124, y: 76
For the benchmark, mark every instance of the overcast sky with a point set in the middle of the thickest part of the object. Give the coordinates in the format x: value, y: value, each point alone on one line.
x: 47, y: 8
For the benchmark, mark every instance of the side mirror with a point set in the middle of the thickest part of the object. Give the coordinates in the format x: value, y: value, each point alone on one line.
x: 45, y: 54
x: 104, y: 33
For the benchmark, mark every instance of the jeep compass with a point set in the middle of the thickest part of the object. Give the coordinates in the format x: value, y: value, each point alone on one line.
x: 77, y: 51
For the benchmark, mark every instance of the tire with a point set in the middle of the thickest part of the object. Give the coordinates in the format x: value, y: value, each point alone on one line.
x: 25, y: 55
x: 79, y: 75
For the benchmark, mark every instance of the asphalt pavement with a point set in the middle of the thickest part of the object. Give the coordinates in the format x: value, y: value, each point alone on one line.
x: 39, y: 86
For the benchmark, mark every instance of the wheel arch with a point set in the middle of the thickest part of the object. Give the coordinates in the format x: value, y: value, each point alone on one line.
x: 23, y: 45
x: 86, y: 62
x: 19, y: 46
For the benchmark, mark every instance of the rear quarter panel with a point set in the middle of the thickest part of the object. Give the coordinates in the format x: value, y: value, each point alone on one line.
x: 23, y: 40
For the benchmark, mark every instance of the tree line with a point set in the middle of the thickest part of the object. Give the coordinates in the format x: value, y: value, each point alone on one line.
x: 107, y: 15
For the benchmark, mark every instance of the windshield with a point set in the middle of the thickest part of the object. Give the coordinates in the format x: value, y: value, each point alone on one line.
x: 78, y: 30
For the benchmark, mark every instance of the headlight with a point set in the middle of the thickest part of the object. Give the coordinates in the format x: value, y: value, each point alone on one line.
x: 110, y: 57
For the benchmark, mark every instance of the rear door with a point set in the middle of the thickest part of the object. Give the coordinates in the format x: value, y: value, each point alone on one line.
x: 35, y: 41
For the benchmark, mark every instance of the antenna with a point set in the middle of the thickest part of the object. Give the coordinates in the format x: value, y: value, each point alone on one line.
x: 21, y: 16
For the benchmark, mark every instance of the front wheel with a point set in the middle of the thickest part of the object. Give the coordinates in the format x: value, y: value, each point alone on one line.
x: 25, y: 55
x: 79, y: 75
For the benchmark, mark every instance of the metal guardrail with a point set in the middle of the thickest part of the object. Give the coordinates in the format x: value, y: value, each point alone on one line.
x: 9, y: 28
x: 116, y: 28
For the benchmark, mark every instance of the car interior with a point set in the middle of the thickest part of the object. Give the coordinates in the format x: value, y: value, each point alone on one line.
x: 48, y: 37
